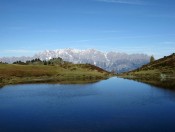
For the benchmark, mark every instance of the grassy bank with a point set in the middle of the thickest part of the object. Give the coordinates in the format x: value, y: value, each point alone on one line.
x: 163, y: 68
x: 159, y: 73
x: 68, y: 73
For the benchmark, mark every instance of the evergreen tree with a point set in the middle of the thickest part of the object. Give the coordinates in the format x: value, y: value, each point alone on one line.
x: 49, y: 62
x: 45, y: 62
x: 152, y: 59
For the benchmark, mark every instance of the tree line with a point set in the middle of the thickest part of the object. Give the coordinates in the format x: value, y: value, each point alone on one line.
x: 37, y: 61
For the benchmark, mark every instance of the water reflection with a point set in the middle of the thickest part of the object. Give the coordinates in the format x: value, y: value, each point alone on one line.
x: 166, y: 83
x: 106, y: 106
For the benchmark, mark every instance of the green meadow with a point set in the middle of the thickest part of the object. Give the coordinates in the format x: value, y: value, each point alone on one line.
x: 63, y: 72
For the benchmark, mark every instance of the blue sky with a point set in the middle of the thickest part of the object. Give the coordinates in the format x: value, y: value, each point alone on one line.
x: 131, y: 26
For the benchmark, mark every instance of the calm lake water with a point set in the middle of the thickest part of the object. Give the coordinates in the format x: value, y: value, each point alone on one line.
x: 113, y: 105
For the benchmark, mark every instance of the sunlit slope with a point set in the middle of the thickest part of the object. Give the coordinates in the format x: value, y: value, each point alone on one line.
x: 16, y: 73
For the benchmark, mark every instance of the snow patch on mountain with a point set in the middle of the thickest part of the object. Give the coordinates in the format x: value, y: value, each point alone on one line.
x: 119, y: 62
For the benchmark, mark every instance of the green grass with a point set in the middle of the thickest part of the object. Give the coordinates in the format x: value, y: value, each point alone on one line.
x: 68, y: 73
x: 159, y: 69
x: 160, y: 73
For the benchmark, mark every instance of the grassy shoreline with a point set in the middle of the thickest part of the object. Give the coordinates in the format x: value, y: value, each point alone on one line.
x: 69, y: 73
x: 159, y: 73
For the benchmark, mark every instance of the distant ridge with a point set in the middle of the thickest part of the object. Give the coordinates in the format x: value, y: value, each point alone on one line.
x: 110, y: 61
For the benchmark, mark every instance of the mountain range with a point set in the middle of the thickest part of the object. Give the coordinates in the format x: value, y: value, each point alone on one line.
x: 110, y: 61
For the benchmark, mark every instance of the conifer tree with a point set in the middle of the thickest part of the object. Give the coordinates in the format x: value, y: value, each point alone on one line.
x: 152, y: 59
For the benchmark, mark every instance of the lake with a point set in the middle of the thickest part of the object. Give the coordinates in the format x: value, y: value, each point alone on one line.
x: 113, y: 105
